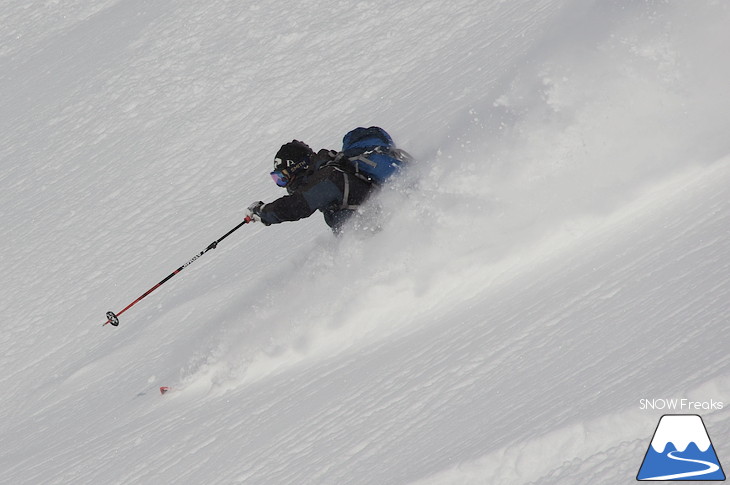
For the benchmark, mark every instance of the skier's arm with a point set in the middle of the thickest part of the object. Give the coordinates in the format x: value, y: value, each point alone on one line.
x: 287, y: 208
x: 301, y: 204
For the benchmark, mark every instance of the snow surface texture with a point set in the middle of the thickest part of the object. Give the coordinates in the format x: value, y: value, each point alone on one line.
x: 559, y: 252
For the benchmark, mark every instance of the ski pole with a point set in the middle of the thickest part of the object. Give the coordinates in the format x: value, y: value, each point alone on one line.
x: 113, y: 318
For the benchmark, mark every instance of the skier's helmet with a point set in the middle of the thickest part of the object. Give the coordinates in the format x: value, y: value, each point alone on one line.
x: 292, y: 159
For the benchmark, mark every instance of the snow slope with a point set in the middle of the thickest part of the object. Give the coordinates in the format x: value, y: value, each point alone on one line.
x: 559, y: 252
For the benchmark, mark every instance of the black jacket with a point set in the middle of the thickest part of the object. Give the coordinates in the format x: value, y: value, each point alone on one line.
x: 326, y: 188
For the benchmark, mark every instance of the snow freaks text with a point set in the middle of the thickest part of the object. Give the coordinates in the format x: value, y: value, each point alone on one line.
x: 680, y: 405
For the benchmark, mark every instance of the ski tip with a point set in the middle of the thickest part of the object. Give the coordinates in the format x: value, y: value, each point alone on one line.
x: 164, y: 389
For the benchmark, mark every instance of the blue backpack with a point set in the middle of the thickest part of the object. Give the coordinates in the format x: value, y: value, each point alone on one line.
x: 370, y: 154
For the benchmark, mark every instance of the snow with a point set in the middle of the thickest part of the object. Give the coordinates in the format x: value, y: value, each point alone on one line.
x: 681, y: 430
x: 558, y: 253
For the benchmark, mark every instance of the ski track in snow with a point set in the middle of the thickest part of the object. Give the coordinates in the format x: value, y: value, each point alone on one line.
x: 559, y: 251
x: 711, y: 468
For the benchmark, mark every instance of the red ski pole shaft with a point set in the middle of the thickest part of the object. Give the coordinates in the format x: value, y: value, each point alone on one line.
x: 113, y: 318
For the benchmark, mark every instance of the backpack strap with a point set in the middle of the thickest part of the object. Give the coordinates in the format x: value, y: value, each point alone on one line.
x: 397, y: 153
x: 363, y: 158
x: 401, y: 155
x: 346, y: 194
x: 342, y: 164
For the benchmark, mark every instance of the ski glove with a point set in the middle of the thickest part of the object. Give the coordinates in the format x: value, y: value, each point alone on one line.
x: 254, y: 211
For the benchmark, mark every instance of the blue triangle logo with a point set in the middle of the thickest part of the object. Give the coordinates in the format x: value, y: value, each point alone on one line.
x: 681, y: 450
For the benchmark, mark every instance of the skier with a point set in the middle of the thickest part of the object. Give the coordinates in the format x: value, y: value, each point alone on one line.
x: 313, y: 182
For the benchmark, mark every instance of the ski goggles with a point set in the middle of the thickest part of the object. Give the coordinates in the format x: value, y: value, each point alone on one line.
x: 281, y: 177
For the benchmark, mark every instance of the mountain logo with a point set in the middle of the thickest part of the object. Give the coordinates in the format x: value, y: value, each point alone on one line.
x: 681, y: 450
